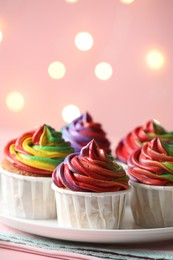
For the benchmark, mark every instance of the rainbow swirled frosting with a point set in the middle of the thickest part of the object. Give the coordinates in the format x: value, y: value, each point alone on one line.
x: 137, y: 137
x: 152, y: 163
x: 91, y: 170
x: 82, y: 130
x: 38, y: 151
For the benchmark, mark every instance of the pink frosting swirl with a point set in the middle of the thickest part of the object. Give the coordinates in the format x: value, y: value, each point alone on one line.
x: 137, y: 137
x: 90, y: 170
x: 152, y: 163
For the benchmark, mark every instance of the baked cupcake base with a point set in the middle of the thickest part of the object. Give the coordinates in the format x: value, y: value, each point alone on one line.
x: 152, y: 206
x: 26, y: 196
x: 90, y: 210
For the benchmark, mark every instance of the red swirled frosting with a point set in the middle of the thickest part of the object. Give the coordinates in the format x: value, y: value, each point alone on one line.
x: 82, y: 130
x: 152, y: 163
x: 137, y: 137
x: 91, y: 170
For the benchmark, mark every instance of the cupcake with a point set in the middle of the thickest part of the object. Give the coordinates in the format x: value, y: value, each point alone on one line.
x: 26, y: 173
x: 82, y: 130
x: 150, y: 169
x: 90, y: 189
x: 138, y: 136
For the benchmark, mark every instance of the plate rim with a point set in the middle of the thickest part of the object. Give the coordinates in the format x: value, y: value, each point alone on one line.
x: 125, y: 235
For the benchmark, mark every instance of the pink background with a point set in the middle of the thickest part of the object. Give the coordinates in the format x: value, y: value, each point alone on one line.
x: 38, y: 32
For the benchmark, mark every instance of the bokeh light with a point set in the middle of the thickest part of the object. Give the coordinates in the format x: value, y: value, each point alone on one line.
x: 155, y: 59
x: 0, y: 36
x: 84, y: 41
x: 127, y: 1
x: 56, y: 70
x: 15, y: 101
x: 71, y: 1
x: 70, y: 112
x: 103, y: 71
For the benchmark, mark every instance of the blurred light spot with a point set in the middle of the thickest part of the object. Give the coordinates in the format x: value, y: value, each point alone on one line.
x: 155, y: 60
x: 127, y: 1
x: 0, y: 36
x: 84, y: 41
x: 71, y: 1
x: 103, y: 71
x: 70, y: 112
x: 15, y: 101
x: 56, y: 70
x: 156, y: 121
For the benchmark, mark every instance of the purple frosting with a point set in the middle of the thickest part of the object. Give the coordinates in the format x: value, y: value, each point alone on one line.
x: 82, y: 130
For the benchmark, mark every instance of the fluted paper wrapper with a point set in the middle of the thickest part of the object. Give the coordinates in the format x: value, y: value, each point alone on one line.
x: 26, y: 196
x: 89, y: 210
x: 152, y: 206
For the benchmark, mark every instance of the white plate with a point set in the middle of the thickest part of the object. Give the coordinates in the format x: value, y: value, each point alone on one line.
x: 127, y: 234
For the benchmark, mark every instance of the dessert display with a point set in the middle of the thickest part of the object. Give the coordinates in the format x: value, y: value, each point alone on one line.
x: 90, y: 189
x: 71, y: 176
x: 150, y: 169
x: 138, y: 136
x: 26, y: 172
x: 82, y: 130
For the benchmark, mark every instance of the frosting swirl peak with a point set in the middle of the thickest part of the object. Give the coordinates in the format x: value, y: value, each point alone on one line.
x: 91, y: 170
x: 38, y: 151
x: 82, y: 130
x: 137, y: 137
x: 152, y: 163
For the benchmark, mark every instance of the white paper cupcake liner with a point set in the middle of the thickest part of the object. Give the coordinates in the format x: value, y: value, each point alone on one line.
x: 89, y: 210
x: 26, y: 196
x: 152, y: 206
